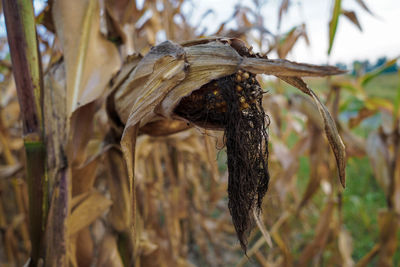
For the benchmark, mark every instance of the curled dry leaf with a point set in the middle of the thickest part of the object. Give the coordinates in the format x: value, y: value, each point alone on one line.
x: 334, y: 139
x: 331, y: 131
x: 182, y: 82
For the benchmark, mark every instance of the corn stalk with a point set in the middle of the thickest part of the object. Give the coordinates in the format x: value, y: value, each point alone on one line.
x: 21, y: 32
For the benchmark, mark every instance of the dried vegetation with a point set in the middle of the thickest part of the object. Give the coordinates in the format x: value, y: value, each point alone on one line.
x: 134, y: 130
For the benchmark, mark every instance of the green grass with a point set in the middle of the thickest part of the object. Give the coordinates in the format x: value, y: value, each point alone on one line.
x: 384, y: 86
x: 362, y: 200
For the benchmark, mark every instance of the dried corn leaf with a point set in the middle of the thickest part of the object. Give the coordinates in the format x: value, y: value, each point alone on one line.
x: 286, y: 68
x: 156, y: 74
x: 388, y: 222
x: 9, y: 170
x: 334, y: 139
x: 78, y: 27
x: 84, y: 176
x: 379, y: 157
x: 364, y: 6
x: 84, y: 247
x: 87, y: 212
x: 118, y: 185
x: 351, y: 15
x: 317, y: 166
x: 286, y: 45
x: 355, y: 145
x: 283, y: 8
x: 262, y: 228
x: 109, y: 254
x: 369, y: 256
x: 321, y: 235
x: 331, y: 131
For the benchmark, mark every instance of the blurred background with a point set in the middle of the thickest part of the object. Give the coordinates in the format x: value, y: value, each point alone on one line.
x: 181, y: 179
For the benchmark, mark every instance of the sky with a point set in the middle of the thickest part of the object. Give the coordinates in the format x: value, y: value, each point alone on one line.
x: 380, y: 35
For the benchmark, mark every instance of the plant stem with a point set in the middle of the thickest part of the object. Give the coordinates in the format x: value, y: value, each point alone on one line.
x: 27, y: 70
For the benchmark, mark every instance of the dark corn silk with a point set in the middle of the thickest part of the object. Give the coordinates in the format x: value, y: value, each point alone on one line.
x: 234, y: 103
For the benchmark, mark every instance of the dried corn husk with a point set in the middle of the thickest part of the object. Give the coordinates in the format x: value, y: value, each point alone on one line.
x: 148, y: 95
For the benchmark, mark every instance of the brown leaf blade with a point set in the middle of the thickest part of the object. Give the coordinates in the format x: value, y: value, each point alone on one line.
x: 283, y: 8
x: 109, y: 254
x: 331, y: 131
x: 388, y: 222
x: 282, y: 67
x: 159, y: 71
x: 78, y: 27
x: 346, y: 247
x: 334, y: 139
x: 364, y: 6
x: 87, y: 212
x: 351, y: 15
x: 321, y: 235
x: 379, y: 158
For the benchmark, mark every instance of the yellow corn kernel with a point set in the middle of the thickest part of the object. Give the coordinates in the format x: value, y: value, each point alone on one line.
x: 244, y: 106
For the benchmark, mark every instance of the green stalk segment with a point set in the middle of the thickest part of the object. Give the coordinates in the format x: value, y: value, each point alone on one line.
x: 27, y: 70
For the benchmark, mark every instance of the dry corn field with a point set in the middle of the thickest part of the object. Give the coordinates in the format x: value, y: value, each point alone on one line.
x: 129, y: 137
